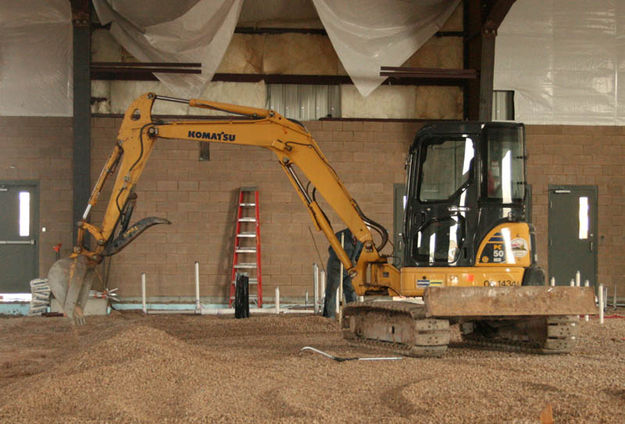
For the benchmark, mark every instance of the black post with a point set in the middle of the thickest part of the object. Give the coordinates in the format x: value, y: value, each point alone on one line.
x: 242, y: 297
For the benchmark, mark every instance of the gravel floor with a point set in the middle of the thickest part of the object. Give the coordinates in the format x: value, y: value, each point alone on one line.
x: 131, y: 368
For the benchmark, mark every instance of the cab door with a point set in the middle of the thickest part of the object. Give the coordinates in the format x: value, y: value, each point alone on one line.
x: 439, y: 206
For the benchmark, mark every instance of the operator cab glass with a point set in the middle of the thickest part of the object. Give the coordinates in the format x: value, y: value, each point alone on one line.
x: 446, y: 168
x: 462, y: 179
x: 446, y: 172
x: 504, y: 171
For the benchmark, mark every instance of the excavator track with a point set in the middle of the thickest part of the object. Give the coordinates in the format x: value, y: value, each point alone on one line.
x: 398, y: 327
x: 543, y: 335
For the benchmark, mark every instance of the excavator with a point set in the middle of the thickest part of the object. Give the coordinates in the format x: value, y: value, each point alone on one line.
x: 468, y: 255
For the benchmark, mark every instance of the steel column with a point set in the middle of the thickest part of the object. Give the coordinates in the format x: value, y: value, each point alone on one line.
x: 81, y: 164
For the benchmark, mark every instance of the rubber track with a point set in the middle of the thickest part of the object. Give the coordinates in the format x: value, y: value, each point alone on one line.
x: 416, y: 312
x: 396, y: 348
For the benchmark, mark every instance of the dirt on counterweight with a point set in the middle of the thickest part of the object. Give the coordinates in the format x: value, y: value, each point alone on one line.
x: 165, y: 368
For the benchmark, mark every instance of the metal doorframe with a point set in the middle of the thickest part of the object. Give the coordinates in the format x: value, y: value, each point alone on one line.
x: 594, y: 223
x: 36, y: 225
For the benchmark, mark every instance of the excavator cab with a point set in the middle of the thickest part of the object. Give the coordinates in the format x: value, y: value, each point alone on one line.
x: 464, y: 180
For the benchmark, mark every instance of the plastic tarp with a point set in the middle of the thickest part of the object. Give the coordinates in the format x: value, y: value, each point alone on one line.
x: 369, y: 34
x: 35, y: 58
x: 564, y: 60
x: 181, y: 31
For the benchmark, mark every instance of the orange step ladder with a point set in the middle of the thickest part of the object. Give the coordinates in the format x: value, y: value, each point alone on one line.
x: 247, y: 245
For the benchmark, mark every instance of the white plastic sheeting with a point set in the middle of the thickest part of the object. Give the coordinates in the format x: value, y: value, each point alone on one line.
x: 369, y: 34
x: 190, y: 31
x: 35, y: 58
x: 564, y: 59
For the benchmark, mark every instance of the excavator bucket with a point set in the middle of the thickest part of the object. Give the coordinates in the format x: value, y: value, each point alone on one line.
x: 70, y: 281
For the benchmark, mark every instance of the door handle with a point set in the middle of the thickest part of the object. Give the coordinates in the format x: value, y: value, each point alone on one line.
x: 17, y: 242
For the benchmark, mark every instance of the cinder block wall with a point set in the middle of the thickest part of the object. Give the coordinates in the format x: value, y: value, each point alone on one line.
x: 40, y: 149
x: 200, y: 199
x: 582, y: 155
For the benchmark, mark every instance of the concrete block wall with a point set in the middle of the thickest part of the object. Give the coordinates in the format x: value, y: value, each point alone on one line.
x: 200, y: 197
x: 582, y: 155
x: 40, y: 149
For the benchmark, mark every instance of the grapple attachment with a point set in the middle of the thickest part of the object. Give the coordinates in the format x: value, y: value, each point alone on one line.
x: 70, y: 281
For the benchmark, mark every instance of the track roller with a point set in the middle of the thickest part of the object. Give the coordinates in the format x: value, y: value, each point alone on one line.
x: 400, y: 327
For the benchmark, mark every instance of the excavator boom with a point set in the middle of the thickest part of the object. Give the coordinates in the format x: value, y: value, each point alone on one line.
x: 294, y: 149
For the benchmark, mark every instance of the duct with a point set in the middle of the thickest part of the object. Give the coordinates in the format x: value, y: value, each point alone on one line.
x: 35, y: 58
x: 376, y: 34
x: 563, y: 59
x: 197, y: 31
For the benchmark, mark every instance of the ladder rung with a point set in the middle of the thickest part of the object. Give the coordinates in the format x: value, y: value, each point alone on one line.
x: 247, y: 219
x: 246, y: 235
x: 246, y: 265
x: 246, y: 250
x: 250, y: 281
x: 247, y: 205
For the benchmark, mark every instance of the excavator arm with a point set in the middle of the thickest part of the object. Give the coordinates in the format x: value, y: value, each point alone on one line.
x: 294, y: 148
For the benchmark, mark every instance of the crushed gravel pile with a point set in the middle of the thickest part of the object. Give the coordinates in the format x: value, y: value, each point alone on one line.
x: 130, y: 368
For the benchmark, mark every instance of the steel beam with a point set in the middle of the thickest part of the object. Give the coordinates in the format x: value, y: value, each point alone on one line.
x: 481, y: 21
x: 81, y: 163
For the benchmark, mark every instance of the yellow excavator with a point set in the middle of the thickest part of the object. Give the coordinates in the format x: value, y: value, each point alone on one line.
x: 468, y: 253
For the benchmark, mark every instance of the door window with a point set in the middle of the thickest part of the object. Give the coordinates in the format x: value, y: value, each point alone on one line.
x: 24, y: 213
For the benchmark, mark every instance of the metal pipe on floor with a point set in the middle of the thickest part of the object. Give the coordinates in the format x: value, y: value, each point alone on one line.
x: 601, y: 304
x: 198, y: 305
x: 167, y: 311
x: 578, y: 279
x: 277, y: 300
x: 230, y: 311
x: 143, y: 296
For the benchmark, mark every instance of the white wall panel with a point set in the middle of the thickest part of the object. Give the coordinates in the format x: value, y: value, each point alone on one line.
x: 563, y: 59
